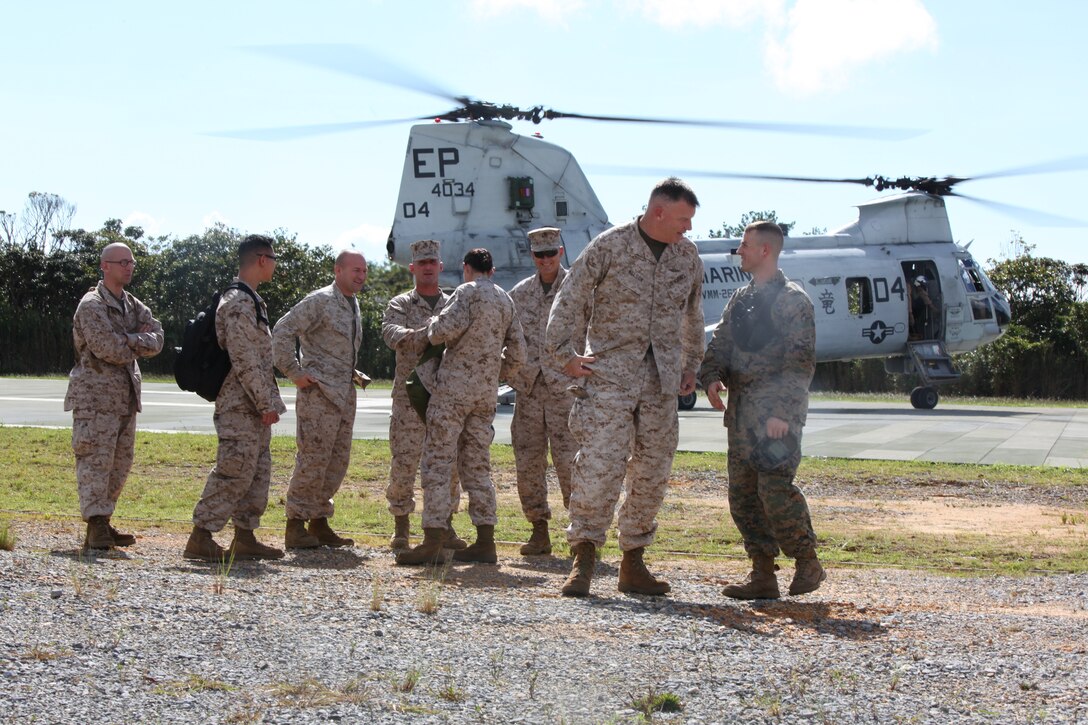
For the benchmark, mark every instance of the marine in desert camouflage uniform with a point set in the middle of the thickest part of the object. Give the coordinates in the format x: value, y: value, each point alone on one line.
x: 247, y: 407
x: 484, y: 344
x: 328, y: 331
x: 628, y: 321
x: 764, y: 353
x: 404, y: 329
x: 543, y: 400
x: 111, y: 330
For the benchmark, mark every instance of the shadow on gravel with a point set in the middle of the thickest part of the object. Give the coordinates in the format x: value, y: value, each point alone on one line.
x: 836, y: 619
x: 241, y: 569
x: 489, y: 576
x: 91, y: 556
x: 340, y: 559
x: 762, y: 617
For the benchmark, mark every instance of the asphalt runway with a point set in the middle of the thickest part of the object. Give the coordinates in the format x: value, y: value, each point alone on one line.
x: 894, y: 431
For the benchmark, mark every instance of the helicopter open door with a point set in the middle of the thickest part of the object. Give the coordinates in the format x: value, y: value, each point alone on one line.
x: 928, y: 358
x: 925, y: 300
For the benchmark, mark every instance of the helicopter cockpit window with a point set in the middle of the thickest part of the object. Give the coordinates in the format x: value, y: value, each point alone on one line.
x: 859, y: 295
x: 972, y: 278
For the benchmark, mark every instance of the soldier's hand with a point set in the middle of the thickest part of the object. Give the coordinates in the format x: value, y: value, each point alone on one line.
x: 713, y: 394
x: 578, y: 366
x: 777, y: 428
x: 270, y: 418
x: 304, y: 381
x: 687, y: 383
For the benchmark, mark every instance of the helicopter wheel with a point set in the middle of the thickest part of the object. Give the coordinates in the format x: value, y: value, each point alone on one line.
x: 924, y: 398
x: 687, y: 402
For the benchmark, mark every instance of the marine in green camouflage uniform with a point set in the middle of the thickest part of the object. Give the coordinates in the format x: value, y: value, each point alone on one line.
x: 764, y: 353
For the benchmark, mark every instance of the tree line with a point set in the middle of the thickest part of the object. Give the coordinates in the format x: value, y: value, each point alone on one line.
x: 46, y: 269
x: 42, y: 284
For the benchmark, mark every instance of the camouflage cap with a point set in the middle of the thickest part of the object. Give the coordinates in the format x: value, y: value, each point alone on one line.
x: 544, y: 239
x: 426, y: 249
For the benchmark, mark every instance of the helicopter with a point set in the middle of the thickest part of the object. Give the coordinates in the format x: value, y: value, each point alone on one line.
x: 469, y: 181
x: 479, y: 184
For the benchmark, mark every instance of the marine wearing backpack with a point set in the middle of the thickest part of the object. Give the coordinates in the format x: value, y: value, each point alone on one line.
x: 200, y: 365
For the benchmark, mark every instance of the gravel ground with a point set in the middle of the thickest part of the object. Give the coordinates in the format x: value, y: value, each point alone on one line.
x: 144, y: 636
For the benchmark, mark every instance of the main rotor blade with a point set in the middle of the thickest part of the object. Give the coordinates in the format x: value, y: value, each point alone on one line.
x: 813, y: 129
x: 287, y: 133
x: 356, y: 61
x: 1073, y: 163
x: 683, y: 173
x: 1034, y: 216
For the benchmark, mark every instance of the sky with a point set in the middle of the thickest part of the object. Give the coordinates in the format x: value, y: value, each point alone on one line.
x: 114, y: 106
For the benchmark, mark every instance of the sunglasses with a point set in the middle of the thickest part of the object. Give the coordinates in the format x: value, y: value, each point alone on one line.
x: 546, y: 253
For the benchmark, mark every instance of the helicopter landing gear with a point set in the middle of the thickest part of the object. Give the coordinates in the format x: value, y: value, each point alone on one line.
x: 924, y: 398
x: 687, y: 402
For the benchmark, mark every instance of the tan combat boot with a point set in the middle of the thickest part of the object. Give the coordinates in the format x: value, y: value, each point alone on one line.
x: 539, y: 542
x: 581, y: 573
x: 636, y: 578
x: 297, y: 537
x: 808, y: 575
x: 429, y: 553
x: 401, y: 529
x: 119, y: 539
x: 324, y: 533
x: 98, y: 534
x: 453, y: 541
x: 246, y: 546
x: 202, y: 546
x: 482, y: 550
x: 760, y: 584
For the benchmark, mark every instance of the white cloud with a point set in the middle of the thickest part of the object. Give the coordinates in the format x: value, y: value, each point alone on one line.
x: 212, y: 218
x: 556, y: 11
x: 152, y: 227
x: 369, y: 239
x: 702, y: 13
x: 809, y: 45
x: 825, y: 40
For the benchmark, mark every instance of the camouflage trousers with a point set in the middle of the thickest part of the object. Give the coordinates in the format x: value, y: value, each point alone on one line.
x: 237, y: 488
x: 626, y: 432
x: 459, y: 432
x: 541, y: 419
x: 323, y: 439
x: 768, y: 509
x: 406, y: 433
x: 103, y: 445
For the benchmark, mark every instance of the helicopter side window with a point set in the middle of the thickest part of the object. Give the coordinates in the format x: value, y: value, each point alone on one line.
x: 980, y: 309
x: 859, y: 295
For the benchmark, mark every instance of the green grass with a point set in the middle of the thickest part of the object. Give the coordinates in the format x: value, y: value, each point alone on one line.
x: 38, y: 481
x: 7, y: 537
x: 948, y: 399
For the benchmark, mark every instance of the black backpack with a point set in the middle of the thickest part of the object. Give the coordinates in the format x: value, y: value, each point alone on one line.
x: 200, y: 365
